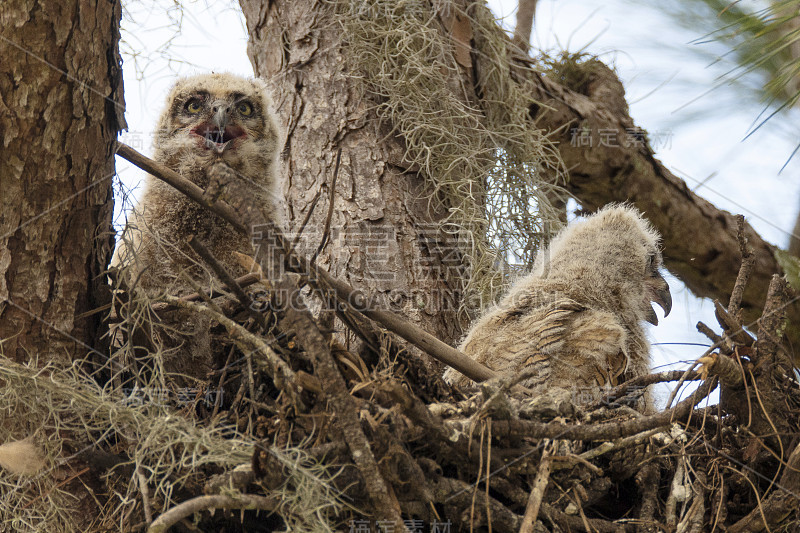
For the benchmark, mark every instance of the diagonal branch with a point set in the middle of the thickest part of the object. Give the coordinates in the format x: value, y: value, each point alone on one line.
x: 356, y: 299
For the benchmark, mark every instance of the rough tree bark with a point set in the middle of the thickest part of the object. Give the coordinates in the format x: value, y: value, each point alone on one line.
x: 60, y: 111
x: 379, y: 227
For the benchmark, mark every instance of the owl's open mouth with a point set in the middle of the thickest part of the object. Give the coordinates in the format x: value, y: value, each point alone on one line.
x: 218, y: 139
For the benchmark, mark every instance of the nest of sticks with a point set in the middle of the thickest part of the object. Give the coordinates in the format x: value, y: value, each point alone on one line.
x: 310, y: 435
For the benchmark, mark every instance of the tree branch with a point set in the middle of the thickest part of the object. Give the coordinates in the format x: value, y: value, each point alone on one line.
x: 205, y: 503
x: 605, y: 431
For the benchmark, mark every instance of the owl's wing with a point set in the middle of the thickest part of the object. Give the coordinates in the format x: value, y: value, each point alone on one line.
x: 545, y: 330
x: 575, y: 348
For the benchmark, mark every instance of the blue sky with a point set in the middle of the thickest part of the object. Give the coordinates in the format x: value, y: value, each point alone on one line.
x: 698, y: 133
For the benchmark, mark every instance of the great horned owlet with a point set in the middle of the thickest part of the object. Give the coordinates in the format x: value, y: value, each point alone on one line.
x: 206, y: 117
x: 575, y: 322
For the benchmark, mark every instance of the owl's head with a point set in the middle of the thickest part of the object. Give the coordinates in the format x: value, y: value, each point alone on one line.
x: 614, y: 258
x: 218, y: 115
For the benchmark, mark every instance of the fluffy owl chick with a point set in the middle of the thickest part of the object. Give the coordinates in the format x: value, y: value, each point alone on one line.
x: 574, y: 323
x: 207, y: 117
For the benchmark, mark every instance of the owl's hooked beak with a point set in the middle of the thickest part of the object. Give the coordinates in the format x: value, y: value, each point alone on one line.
x: 659, y: 295
x: 218, y: 131
x: 221, y: 115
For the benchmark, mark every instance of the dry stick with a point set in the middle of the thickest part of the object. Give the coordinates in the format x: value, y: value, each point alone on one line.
x: 205, y: 503
x: 620, y: 391
x: 710, y: 333
x: 145, y: 492
x: 674, y: 392
x: 224, y: 183
x: 280, y: 372
x: 627, y: 442
x: 731, y: 318
x: 692, y: 520
x: 771, y: 355
x: 748, y: 260
x: 241, y: 281
x: 677, y: 486
x: 732, y: 327
x: 356, y: 298
x: 575, y: 523
x: 228, y: 280
x: 605, y: 431
x: 647, y: 480
x: 537, y: 490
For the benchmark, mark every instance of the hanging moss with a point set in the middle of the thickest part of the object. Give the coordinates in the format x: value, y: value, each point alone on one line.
x: 484, y: 161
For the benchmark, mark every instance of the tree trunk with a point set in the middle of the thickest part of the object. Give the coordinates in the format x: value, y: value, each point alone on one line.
x: 380, y: 231
x: 60, y: 111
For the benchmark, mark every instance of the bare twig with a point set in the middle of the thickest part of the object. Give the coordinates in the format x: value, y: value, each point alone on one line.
x: 280, y: 372
x: 677, y: 493
x: 692, y: 521
x: 205, y: 503
x: 228, y: 280
x: 748, y: 260
x: 710, y: 333
x: 145, y: 492
x: 647, y: 482
x: 575, y: 523
x: 731, y: 325
x: 605, y: 431
x: 620, y: 391
x: 537, y: 490
x: 674, y: 392
x: 771, y: 328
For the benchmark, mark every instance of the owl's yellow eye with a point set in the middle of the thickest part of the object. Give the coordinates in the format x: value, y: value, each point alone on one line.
x: 193, y: 106
x: 245, y: 109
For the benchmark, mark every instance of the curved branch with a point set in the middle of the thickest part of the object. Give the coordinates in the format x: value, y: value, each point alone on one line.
x: 205, y: 503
